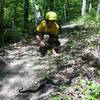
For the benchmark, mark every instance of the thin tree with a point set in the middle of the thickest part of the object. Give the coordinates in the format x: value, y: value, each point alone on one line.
x: 43, y: 8
x: 91, y: 6
x: 52, y: 5
x: 1, y: 22
x: 14, y: 12
x: 26, y: 14
x: 98, y: 8
x: 84, y: 7
x: 1, y: 16
x: 36, y: 13
x: 65, y: 11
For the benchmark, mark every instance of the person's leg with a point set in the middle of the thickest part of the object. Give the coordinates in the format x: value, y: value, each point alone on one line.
x: 43, y: 51
x: 54, y: 43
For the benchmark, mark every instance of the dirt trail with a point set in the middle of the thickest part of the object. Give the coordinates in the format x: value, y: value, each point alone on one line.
x: 24, y: 67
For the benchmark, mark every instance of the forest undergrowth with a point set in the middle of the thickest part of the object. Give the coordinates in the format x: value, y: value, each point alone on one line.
x: 80, y: 63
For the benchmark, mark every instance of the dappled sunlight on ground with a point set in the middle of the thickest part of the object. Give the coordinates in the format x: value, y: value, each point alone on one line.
x: 25, y: 68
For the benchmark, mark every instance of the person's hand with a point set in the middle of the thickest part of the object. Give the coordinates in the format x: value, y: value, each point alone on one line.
x: 46, y: 37
x: 42, y: 44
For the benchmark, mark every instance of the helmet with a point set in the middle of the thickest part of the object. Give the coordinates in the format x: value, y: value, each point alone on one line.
x: 51, y: 15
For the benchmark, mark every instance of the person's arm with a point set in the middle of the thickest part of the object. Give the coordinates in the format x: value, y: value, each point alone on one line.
x: 38, y: 36
x: 40, y: 39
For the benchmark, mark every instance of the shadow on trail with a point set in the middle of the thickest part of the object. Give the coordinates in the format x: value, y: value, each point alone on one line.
x: 6, y: 71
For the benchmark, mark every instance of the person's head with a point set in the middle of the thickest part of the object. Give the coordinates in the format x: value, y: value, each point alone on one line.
x: 51, y: 17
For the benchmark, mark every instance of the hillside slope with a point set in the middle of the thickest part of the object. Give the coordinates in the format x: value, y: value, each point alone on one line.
x: 67, y: 76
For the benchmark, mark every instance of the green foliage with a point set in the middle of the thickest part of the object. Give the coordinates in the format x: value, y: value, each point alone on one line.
x: 13, y: 37
x: 97, y: 71
x: 98, y: 18
x: 55, y: 98
x: 73, y: 11
x: 59, y: 98
x: 73, y: 7
x: 62, y: 88
x: 87, y: 20
x: 92, y: 23
x: 92, y: 12
x: 92, y: 91
x: 89, y: 89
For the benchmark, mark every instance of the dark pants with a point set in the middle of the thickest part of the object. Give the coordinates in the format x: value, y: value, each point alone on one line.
x: 52, y: 42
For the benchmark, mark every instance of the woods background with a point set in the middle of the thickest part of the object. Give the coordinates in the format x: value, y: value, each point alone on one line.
x: 19, y: 18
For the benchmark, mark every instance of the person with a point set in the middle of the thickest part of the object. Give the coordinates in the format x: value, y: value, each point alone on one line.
x: 48, y: 28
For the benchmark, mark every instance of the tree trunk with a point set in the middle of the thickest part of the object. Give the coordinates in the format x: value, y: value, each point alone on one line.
x: 1, y: 16
x: 14, y: 15
x: 65, y: 12
x: 37, y: 14
x: 26, y: 14
x: 84, y: 7
x: 91, y: 7
x: 98, y: 8
x: 52, y: 5
x: 43, y: 8
x: 1, y: 23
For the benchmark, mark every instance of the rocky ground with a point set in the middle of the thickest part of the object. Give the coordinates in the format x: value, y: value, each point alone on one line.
x: 69, y: 76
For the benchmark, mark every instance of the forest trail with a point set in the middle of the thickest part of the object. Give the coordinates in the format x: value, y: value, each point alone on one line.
x: 24, y: 67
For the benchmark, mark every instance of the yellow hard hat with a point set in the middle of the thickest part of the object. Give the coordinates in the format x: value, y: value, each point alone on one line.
x: 51, y: 15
